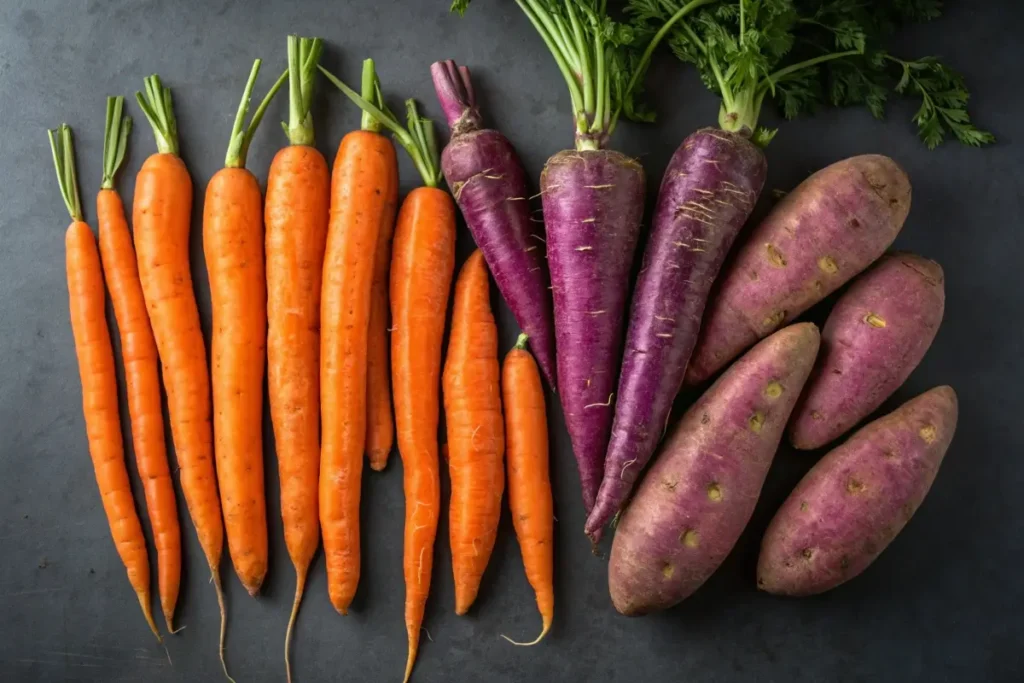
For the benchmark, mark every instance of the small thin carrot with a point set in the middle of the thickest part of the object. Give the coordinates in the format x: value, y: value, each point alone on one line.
x: 422, y: 264
x: 233, y: 246
x: 295, y: 214
x: 87, y: 300
x: 162, y: 219
x: 476, y: 430
x: 364, y: 193
x: 138, y: 353
x: 529, y: 482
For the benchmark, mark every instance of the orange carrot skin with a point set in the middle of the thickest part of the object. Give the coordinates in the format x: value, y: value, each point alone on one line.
x: 529, y: 482
x: 99, y: 402
x: 380, y: 422
x: 161, y: 217
x: 138, y: 352
x: 296, y: 233
x: 364, y: 190
x: 476, y: 430
x: 233, y: 244
x: 422, y: 264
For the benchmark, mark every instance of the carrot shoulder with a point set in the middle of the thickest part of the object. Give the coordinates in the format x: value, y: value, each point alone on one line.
x: 87, y: 300
x: 476, y: 430
x: 139, y: 355
x: 364, y: 192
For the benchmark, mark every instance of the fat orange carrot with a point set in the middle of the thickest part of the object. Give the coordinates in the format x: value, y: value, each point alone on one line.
x: 364, y: 192
x: 95, y: 353
x: 295, y: 215
x: 422, y: 263
x: 162, y: 219
x: 138, y: 353
x: 476, y: 430
x: 233, y: 246
x: 529, y: 483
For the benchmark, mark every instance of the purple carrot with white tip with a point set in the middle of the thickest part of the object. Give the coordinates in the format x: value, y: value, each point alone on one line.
x: 489, y: 183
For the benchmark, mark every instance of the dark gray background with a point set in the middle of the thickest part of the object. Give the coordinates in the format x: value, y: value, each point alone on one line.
x: 944, y: 603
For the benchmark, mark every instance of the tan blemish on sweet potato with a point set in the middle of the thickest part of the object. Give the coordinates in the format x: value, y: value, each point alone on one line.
x: 774, y: 320
x: 928, y: 433
x: 753, y: 275
x: 775, y: 257
x: 714, y: 492
x: 756, y: 421
x: 773, y: 390
x: 855, y: 486
x: 827, y: 264
x: 816, y: 416
x: 874, y: 320
x: 668, y: 570
x: 669, y: 484
x: 808, y: 554
x: 803, y: 506
x: 690, y: 538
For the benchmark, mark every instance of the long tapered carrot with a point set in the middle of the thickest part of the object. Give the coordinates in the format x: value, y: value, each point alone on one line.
x: 138, y: 352
x: 295, y: 215
x: 529, y: 482
x: 233, y: 246
x: 95, y: 353
x: 162, y: 220
x: 364, y: 193
x: 422, y: 263
x: 476, y: 430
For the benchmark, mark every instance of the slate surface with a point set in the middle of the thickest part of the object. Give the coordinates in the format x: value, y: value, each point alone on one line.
x: 944, y: 603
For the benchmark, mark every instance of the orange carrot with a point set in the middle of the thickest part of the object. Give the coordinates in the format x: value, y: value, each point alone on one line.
x: 162, y: 217
x: 364, y: 192
x: 529, y: 483
x: 233, y: 246
x: 422, y: 263
x: 138, y: 352
x: 87, y: 300
x: 476, y: 430
x: 296, y: 224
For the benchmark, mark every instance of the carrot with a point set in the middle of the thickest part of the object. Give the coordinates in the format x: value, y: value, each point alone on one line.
x: 422, y: 263
x: 529, y: 483
x: 364, y: 192
x: 476, y: 430
x: 99, y: 384
x: 161, y: 217
x: 296, y: 224
x: 233, y: 246
x: 138, y: 352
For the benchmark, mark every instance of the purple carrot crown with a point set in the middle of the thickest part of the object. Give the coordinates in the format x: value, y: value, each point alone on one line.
x: 454, y: 90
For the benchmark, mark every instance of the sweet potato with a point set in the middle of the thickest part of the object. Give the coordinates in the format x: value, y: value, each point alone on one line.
x: 831, y: 227
x: 698, y: 496
x: 875, y: 336
x: 851, y: 505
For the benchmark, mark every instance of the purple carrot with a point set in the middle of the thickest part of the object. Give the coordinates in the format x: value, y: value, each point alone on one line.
x: 489, y: 184
x: 593, y: 205
x: 708, y: 191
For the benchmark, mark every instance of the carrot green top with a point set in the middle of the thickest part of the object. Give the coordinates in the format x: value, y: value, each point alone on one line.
x: 521, y: 341
x: 63, y: 149
x: 417, y: 137
x: 115, y: 140
x: 303, y: 58
x: 158, y: 107
x: 241, y: 135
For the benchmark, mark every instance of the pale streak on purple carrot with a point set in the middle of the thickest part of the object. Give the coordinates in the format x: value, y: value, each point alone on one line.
x: 489, y: 183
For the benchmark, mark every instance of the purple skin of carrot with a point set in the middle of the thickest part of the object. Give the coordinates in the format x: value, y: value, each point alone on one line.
x: 489, y: 184
x: 709, y: 189
x: 593, y: 203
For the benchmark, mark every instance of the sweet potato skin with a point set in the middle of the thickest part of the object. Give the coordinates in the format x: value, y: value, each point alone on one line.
x: 875, y: 336
x: 851, y: 505
x: 693, y: 504
x: 827, y: 230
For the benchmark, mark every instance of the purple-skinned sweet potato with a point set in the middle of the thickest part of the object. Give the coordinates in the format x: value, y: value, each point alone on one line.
x: 851, y: 505
x: 875, y: 336
x: 699, y: 494
x: 822, y: 234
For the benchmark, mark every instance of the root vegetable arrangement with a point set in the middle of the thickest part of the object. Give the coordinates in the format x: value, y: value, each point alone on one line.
x: 341, y: 294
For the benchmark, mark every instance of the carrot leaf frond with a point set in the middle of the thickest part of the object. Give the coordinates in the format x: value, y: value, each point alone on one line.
x: 303, y: 59
x: 63, y: 149
x: 115, y: 140
x: 158, y: 107
x: 241, y: 135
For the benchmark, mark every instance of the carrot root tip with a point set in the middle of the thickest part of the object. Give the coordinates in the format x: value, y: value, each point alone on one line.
x: 544, y: 631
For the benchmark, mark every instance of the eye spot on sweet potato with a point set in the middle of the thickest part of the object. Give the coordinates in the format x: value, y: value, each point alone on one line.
x: 705, y: 419
x: 874, y: 320
x: 854, y: 223
x: 690, y: 538
x: 803, y: 506
x: 844, y: 562
x: 669, y: 484
x: 753, y: 275
x: 756, y: 422
x: 888, y: 453
x: 928, y: 433
x: 668, y: 570
x: 774, y: 320
x: 773, y: 390
x: 855, y: 487
x: 807, y: 553
x: 908, y: 511
x: 816, y: 416
x: 775, y: 257
x: 714, y: 492
x: 827, y: 265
